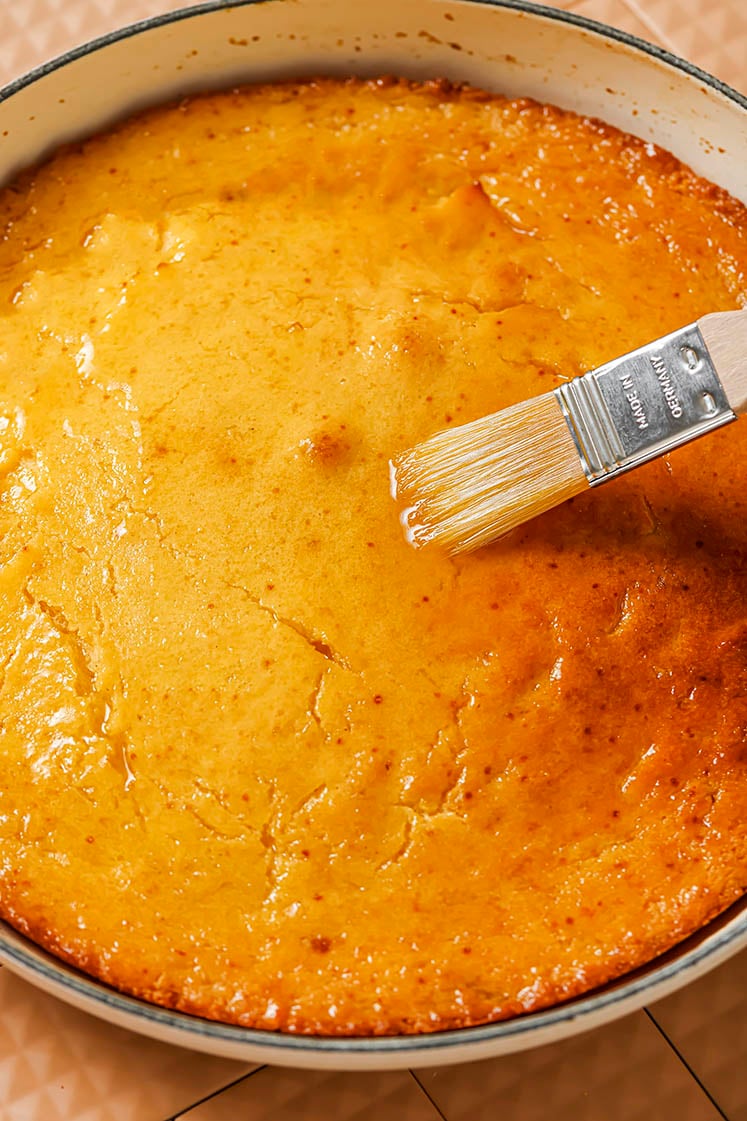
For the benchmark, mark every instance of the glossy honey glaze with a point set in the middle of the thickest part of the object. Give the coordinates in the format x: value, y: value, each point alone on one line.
x: 260, y: 760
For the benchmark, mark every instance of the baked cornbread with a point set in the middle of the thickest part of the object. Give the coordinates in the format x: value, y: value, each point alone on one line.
x: 258, y: 759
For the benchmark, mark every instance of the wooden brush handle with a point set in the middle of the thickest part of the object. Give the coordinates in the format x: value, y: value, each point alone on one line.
x: 725, y: 335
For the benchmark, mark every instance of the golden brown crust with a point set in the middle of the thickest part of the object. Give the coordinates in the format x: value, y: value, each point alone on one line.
x: 261, y: 762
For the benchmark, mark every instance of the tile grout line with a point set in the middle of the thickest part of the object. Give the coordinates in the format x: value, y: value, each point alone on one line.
x: 435, y: 1104
x: 643, y: 17
x: 215, y: 1093
x: 686, y: 1064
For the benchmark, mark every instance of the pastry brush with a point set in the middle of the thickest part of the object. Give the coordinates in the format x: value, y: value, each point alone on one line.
x: 464, y: 487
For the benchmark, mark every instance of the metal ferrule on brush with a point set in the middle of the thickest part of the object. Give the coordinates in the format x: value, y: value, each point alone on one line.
x: 643, y: 405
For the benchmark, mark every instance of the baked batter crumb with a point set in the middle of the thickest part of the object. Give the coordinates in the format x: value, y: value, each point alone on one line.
x: 259, y: 760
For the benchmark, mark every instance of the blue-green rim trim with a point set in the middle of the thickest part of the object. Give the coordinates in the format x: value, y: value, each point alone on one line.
x: 63, y: 975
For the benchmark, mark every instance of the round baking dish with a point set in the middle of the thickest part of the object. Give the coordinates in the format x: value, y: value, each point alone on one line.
x: 504, y: 45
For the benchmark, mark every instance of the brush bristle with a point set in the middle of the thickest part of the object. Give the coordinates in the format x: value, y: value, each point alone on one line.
x: 466, y: 486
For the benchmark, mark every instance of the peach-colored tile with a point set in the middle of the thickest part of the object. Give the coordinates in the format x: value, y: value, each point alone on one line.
x: 57, y: 1064
x: 617, y: 14
x: 711, y: 33
x: 33, y: 31
x: 622, y: 1072
x: 294, y: 1095
x: 641, y: 9
x: 707, y: 1022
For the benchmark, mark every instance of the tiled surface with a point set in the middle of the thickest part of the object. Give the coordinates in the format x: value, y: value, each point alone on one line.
x: 292, y: 1095
x: 618, y: 13
x: 708, y: 1021
x: 32, y: 31
x: 57, y: 1064
x: 624, y: 1071
x: 60, y: 1065
x: 710, y: 32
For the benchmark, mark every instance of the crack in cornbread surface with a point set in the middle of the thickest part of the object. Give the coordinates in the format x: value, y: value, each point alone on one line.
x: 258, y: 759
